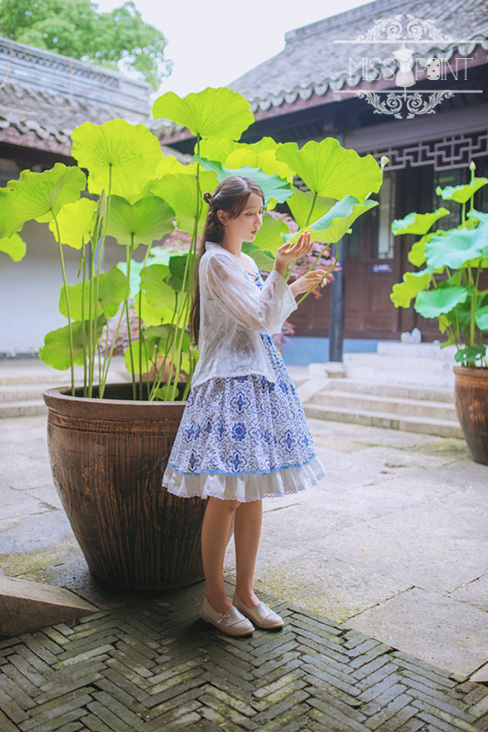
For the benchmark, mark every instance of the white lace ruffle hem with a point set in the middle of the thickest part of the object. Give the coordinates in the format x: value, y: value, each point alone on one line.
x: 245, y: 486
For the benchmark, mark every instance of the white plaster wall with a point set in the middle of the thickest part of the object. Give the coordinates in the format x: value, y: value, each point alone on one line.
x: 29, y: 289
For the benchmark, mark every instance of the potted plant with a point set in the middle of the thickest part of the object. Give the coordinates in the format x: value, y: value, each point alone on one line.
x: 109, y: 443
x: 452, y: 286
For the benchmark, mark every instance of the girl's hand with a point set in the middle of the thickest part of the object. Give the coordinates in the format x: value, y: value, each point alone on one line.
x: 309, y: 281
x: 286, y: 253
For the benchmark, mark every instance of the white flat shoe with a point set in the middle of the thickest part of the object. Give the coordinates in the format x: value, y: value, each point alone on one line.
x: 261, y: 615
x: 232, y: 622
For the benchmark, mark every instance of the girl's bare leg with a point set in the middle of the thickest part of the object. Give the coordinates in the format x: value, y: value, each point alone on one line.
x: 215, y: 532
x: 247, y: 530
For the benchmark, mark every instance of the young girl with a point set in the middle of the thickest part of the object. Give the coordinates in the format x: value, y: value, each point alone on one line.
x: 243, y: 434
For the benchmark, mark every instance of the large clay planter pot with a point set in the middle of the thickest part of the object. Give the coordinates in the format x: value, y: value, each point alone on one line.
x: 471, y: 398
x: 107, y: 458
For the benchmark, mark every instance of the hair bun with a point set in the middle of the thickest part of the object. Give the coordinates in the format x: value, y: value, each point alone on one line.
x: 207, y: 197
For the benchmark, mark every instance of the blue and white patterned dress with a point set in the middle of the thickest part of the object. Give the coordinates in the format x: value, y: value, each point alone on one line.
x: 243, y: 437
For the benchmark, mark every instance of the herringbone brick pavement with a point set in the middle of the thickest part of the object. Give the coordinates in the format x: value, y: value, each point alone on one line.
x: 153, y: 665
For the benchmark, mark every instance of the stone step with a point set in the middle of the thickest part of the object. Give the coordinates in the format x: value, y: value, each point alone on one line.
x: 398, y: 375
x: 387, y: 404
x: 408, y: 423
x: 25, y: 392
x: 419, y: 350
x: 403, y: 362
x: 401, y: 391
x: 22, y: 408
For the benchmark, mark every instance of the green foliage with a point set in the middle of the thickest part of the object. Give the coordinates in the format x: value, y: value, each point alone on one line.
x: 210, y: 113
x: 138, y: 195
x: 120, y: 40
x: 14, y: 246
x: 120, y: 157
x: 458, y: 257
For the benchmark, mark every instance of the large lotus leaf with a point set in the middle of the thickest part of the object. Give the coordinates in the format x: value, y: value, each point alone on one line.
x: 272, y: 186
x: 268, y: 238
x: 56, y: 349
x: 75, y: 221
x: 153, y: 314
x: 166, y: 334
x: 131, y: 153
x: 180, y: 191
x: 413, y: 283
x: 14, y: 246
x: 142, y: 355
x: 40, y: 195
x: 331, y: 171
x: 458, y: 247
x: 145, y: 221
x: 481, y: 318
x: 476, y: 216
x: 135, y: 278
x: 416, y: 223
x: 300, y: 205
x: 263, y: 259
x: 169, y: 165
x: 158, y: 293
x: 416, y: 254
x: 332, y: 227
x: 470, y: 354
x: 209, y: 113
x: 175, y: 278
x: 264, y: 159
x: 111, y: 292
x: 461, y: 194
x: 445, y: 297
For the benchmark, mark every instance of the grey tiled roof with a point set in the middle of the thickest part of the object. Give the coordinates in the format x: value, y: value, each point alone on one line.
x: 312, y: 63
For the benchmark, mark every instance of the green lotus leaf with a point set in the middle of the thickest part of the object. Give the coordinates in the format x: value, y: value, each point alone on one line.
x: 331, y: 171
x: 111, y: 292
x: 169, y: 165
x: 217, y: 148
x: 332, y: 227
x: 153, y: 314
x: 264, y: 260
x: 470, y: 354
x: 56, y: 349
x: 416, y: 254
x: 266, y: 160
x: 268, y: 238
x: 300, y: 205
x: 175, y: 278
x: 158, y: 293
x: 180, y: 191
x: 40, y: 195
x: 209, y: 113
x: 416, y: 223
x: 413, y: 282
x: 445, y: 297
x: 165, y: 334
x: 130, y: 153
x: 457, y: 247
x: 477, y: 216
x: 75, y: 221
x: 481, y: 318
x: 461, y: 194
x: 273, y: 186
x: 141, y: 360
x: 145, y: 221
x: 14, y: 246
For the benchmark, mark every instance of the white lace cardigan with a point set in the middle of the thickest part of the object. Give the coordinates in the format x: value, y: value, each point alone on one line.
x: 233, y: 309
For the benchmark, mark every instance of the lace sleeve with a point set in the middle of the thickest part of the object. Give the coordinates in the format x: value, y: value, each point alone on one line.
x: 242, y: 300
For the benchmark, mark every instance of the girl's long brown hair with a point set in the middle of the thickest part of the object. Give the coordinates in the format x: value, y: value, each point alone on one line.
x: 231, y: 196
